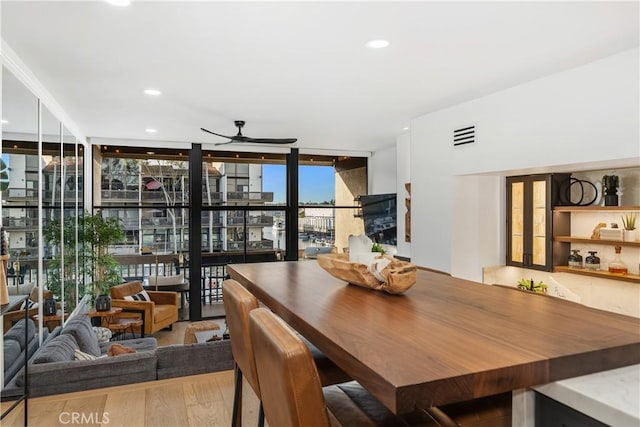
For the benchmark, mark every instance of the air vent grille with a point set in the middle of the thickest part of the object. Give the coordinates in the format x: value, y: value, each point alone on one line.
x: 465, y: 135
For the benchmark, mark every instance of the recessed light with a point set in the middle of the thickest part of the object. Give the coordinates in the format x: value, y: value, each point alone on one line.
x: 121, y: 3
x: 152, y: 92
x: 405, y: 128
x: 149, y: 130
x: 377, y: 44
x: 4, y: 122
x: 151, y: 153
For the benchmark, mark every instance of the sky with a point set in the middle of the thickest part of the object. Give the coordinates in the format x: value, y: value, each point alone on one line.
x: 316, y: 183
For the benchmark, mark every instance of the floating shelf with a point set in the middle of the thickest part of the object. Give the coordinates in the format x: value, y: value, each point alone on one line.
x: 632, y: 278
x: 596, y: 208
x: 572, y: 239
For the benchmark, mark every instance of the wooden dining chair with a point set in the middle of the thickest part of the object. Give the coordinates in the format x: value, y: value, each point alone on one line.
x: 238, y: 303
x: 296, y: 397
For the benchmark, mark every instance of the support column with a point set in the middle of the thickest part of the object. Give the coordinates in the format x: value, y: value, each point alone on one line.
x: 292, y: 206
x: 195, y: 235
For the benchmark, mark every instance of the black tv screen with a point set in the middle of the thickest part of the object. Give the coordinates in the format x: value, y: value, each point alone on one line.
x: 379, y: 214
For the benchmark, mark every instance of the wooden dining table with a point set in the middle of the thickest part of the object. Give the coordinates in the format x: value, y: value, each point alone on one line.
x: 445, y: 339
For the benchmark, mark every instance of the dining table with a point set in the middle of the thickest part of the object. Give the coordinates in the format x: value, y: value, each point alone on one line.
x: 445, y: 339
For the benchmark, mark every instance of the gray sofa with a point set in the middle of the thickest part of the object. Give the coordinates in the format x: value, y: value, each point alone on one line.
x: 53, y: 369
x: 14, y: 347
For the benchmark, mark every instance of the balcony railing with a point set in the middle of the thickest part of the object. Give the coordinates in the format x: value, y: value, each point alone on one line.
x: 252, y: 221
x: 216, y: 197
x: 251, y: 196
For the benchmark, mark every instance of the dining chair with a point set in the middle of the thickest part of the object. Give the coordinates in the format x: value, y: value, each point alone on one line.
x: 296, y: 397
x: 238, y: 303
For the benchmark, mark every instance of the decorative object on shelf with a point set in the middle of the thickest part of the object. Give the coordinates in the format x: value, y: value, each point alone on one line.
x: 595, y: 235
x: 588, y: 193
x: 629, y: 224
x: 611, y: 233
x: 575, y: 259
x: 398, y: 276
x: 610, y: 184
x: 592, y: 262
x: 531, y: 286
x: 617, y: 266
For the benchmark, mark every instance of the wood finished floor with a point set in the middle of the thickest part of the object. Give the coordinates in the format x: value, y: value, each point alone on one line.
x: 194, y: 401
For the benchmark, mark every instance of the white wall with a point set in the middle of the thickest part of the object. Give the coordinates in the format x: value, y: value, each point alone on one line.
x: 564, y: 121
x: 403, y: 174
x: 382, y: 171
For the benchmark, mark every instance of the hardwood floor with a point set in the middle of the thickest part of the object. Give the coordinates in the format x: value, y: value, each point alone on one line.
x: 195, y: 401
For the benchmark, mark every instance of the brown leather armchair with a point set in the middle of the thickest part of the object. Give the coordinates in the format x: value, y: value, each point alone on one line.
x: 159, y: 313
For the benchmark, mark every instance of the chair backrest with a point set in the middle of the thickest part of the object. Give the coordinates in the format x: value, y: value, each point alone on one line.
x: 286, y: 368
x: 33, y: 295
x: 126, y: 289
x: 238, y: 302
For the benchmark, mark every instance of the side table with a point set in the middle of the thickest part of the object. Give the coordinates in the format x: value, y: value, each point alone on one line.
x: 51, y: 321
x: 106, y: 317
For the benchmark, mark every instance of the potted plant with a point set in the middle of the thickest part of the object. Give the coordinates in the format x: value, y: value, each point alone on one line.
x: 98, y: 234
x: 95, y: 235
x: 629, y: 224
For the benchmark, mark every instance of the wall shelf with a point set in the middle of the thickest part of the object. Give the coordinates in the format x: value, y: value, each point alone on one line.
x: 632, y: 278
x: 564, y: 214
x: 596, y: 208
x: 572, y: 239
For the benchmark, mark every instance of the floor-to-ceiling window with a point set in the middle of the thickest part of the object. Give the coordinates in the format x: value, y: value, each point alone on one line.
x: 242, y: 213
x: 329, y: 187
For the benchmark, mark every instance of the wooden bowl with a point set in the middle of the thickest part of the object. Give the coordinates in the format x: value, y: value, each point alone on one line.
x: 399, y: 275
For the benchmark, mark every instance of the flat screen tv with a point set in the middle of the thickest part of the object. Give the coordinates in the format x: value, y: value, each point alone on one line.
x: 379, y: 214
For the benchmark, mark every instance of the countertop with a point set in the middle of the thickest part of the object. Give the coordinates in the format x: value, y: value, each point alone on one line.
x: 611, y: 397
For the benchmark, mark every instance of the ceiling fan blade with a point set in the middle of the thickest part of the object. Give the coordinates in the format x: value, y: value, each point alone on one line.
x: 216, y: 134
x: 271, y: 140
x: 241, y: 138
x: 224, y: 143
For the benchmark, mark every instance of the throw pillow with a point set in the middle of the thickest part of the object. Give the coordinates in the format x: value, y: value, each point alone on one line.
x: 30, y: 304
x: 140, y: 296
x: 60, y: 349
x: 80, y: 327
x: 118, y: 349
x: 102, y: 334
x: 81, y: 355
x: 16, y: 332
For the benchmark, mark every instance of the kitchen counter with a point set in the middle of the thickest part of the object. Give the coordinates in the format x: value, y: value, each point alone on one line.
x: 611, y: 397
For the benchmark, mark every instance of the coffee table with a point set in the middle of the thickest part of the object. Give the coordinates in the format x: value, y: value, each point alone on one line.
x: 119, y: 326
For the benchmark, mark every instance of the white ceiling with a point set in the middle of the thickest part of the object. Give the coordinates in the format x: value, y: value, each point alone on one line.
x: 297, y: 69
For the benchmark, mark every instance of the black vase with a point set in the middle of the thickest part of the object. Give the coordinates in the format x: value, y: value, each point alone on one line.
x: 49, y: 308
x: 611, y: 196
x: 103, y: 303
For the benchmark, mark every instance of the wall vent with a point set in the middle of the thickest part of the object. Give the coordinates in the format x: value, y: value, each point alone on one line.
x: 465, y: 135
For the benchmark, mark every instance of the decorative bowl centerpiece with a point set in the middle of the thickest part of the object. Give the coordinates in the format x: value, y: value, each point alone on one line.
x: 383, y: 274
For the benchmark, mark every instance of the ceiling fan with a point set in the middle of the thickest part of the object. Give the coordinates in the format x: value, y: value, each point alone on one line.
x: 241, y: 138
